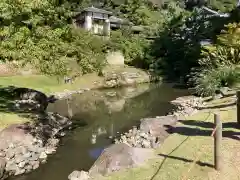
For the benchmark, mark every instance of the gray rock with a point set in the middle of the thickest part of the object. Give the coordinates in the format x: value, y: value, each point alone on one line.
x: 155, y: 126
x: 33, y: 157
x: 2, y: 166
x: 10, y: 154
x: 10, y: 166
x: 19, y: 171
x: 43, y: 155
x: 44, y: 161
x: 78, y: 175
x: 143, y: 135
x: 53, y: 142
x: 16, y: 133
x: 119, y: 156
x: 21, y: 150
x: 22, y: 164
x: 19, y: 159
x: 50, y: 151
x: 146, y: 144
x: 34, y: 164
x: 2, y: 154
x: 28, y: 168
x: 27, y: 155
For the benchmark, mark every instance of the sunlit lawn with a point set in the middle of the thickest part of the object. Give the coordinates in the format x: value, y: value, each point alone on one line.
x: 47, y: 84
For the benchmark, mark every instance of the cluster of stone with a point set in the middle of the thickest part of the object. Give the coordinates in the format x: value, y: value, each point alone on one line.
x: 23, y: 147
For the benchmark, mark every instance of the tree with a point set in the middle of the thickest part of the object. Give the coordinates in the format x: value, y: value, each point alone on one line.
x: 40, y: 33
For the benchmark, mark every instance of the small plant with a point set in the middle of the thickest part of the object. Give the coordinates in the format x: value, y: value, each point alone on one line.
x: 208, y: 81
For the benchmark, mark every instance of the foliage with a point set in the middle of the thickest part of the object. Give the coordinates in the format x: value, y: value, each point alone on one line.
x: 217, y: 5
x: 178, y: 47
x: 40, y: 33
x: 222, y: 5
x: 208, y: 81
x: 219, y: 55
x: 230, y: 36
x: 226, y: 51
x: 219, y: 65
x: 133, y: 48
x: 139, y: 12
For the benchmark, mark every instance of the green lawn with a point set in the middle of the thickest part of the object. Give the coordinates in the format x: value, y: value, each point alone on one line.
x: 47, y: 84
x: 192, y: 139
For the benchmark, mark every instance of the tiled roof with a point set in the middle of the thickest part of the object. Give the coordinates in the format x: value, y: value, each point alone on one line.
x: 93, y: 9
x: 114, y: 19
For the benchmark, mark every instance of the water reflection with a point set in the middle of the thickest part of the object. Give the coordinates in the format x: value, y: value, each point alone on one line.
x: 95, y: 153
x: 98, y: 115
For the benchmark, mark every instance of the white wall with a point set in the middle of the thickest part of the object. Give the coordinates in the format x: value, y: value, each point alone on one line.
x: 88, y: 22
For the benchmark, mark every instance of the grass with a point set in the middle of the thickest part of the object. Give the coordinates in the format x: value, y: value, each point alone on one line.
x: 7, y: 119
x: 192, y: 139
x: 46, y: 84
x: 50, y: 85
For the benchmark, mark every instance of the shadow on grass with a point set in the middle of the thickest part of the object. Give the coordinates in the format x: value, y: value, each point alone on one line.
x: 6, y: 99
x: 209, y: 124
x: 188, y: 132
x: 196, y: 131
x: 186, y: 160
x: 8, y: 95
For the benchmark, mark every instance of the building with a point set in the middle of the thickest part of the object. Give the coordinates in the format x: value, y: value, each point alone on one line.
x: 99, y: 21
x: 94, y: 20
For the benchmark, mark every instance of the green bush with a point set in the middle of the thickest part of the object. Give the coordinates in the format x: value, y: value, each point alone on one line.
x: 219, y: 64
x: 208, y: 81
x: 133, y: 47
x: 40, y: 33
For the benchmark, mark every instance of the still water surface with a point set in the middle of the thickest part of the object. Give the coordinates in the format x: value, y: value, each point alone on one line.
x: 98, y: 115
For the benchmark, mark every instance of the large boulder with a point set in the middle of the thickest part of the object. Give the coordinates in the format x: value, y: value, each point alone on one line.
x: 14, y: 134
x: 157, y: 126
x: 78, y: 175
x: 119, y: 156
x: 29, y: 99
x: 118, y: 79
x: 25, y: 146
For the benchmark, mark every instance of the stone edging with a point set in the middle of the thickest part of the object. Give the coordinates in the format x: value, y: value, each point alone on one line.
x: 23, y: 147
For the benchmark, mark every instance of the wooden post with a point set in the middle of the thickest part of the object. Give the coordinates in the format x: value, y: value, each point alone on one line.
x: 238, y: 107
x: 217, y: 142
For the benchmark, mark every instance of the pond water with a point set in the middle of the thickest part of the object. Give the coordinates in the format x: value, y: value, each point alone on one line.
x: 97, y: 115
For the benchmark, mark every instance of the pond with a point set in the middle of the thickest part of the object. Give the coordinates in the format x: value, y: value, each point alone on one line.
x: 99, y: 115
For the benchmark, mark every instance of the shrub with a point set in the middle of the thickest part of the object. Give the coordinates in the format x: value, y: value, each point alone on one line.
x: 40, y: 33
x: 132, y: 46
x: 219, y: 63
x: 208, y: 81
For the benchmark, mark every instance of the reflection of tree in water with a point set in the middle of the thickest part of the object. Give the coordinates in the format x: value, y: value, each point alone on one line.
x: 114, y: 111
x: 69, y: 107
x: 100, y: 131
